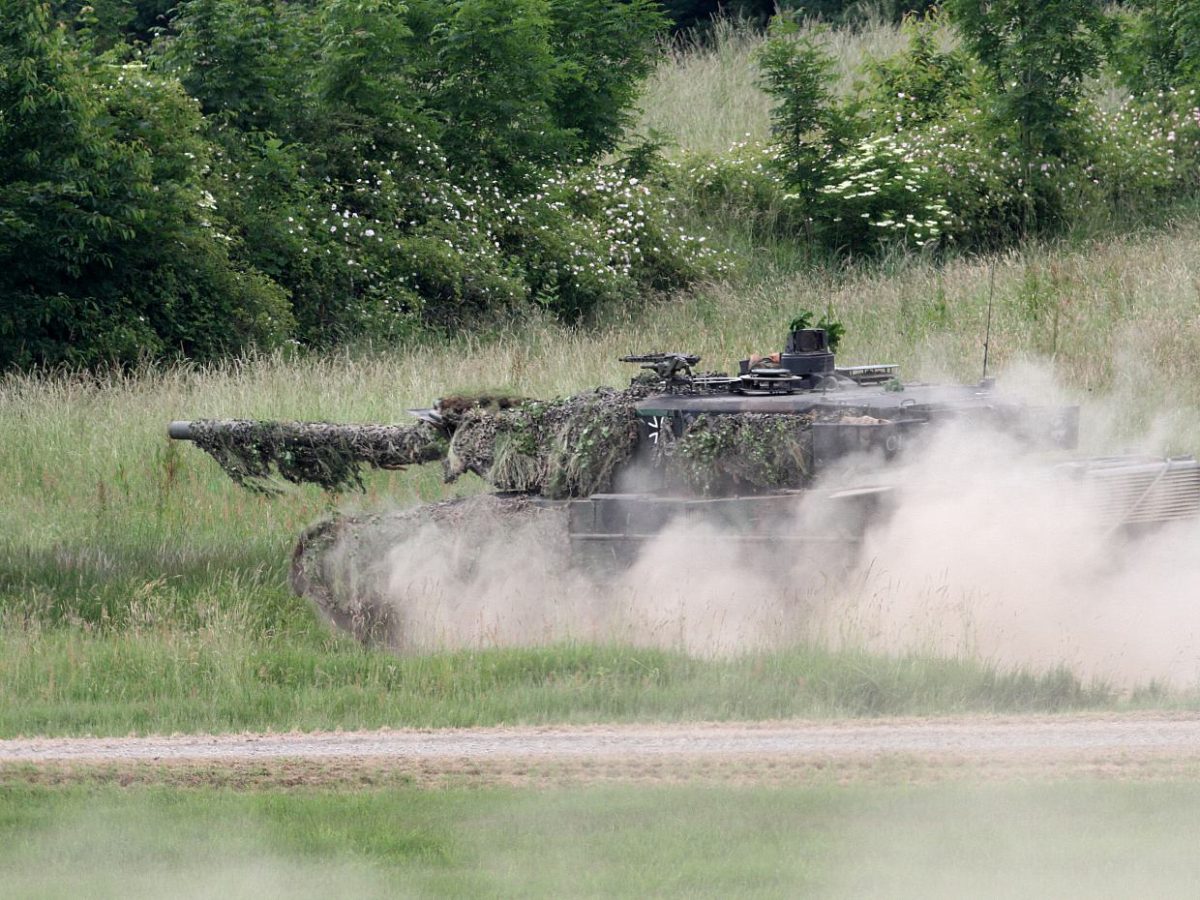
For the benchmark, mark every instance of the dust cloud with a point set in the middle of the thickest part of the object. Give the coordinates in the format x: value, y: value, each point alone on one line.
x: 987, y: 554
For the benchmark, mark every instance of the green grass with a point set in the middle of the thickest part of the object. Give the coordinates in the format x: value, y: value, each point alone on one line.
x: 141, y: 590
x: 64, y: 682
x: 1066, y: 839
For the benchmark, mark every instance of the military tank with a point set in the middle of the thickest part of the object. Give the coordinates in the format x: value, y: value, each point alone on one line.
x: 788, y: 455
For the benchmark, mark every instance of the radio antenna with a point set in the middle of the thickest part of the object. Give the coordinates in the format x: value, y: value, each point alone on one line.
x: 987, y: 335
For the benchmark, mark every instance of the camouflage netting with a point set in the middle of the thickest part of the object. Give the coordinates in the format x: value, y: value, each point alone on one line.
x: 741, y: 450
x: 559, y: 449
x: 313, y: 452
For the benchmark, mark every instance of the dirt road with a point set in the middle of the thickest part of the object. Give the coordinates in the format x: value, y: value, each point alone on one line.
x: 1122, y: 746
x: 1177, y: 735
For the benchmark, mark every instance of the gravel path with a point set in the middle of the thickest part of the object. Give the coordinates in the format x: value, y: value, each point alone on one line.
x: 1123, y: 736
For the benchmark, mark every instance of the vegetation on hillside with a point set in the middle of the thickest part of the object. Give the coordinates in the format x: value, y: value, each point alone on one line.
x: 200, y: 180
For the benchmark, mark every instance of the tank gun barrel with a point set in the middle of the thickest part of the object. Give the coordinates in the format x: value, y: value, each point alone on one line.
x: 324, y: 453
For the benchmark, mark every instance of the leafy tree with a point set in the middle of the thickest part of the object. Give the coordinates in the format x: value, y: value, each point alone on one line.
x: 921, y: 84
x: 365, y: 91
x: 810, y: 128
x: 240, y: 60
x: 319, y: 168
x: 1037, y: 54
x: 108, y: 246
x: 606, y: 52
x: 1160, y: 46
x: 495, y: 76
x: 113, y: 23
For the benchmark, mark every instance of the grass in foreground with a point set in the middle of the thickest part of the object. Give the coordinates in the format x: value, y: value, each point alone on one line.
x: 63, y: 683
x: 1066, y: 839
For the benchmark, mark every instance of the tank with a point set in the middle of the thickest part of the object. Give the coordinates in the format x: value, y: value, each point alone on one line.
x: 787, y: 456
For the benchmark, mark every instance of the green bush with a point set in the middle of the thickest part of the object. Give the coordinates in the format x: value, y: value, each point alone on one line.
x: 744, y: 183
x: 811, y: 129
x: 111, y: 249
x: 328, y: 171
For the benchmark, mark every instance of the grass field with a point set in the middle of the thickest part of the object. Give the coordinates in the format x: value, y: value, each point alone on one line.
x: 1066, y: 839
x: 141, y: 590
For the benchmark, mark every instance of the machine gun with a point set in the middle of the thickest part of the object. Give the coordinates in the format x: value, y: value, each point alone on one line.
x: 673, y: 368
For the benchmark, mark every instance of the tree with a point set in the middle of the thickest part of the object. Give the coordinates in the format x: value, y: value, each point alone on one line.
x: 108, y: 250
x: 810, y: 128
x: 114, y: 23
x: 1037, y: 54
x: 244, y: 62
x: 606, y: 51
x: 495, y: 77
x: 1161, y: 46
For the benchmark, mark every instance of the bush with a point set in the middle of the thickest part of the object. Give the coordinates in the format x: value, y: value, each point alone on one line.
x: 744, y: 185
x: 810, y: 128
x: 885, y: 192
x: 111, y: 248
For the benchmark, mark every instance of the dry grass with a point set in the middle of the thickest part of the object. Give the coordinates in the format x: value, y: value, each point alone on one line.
x: 703, y: 98
x: 86, y: 457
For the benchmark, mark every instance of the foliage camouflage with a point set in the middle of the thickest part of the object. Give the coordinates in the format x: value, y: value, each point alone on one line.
x: 556, y: 449
x: 748, y: 449
x: 320, y: 453
x: 559, y: 448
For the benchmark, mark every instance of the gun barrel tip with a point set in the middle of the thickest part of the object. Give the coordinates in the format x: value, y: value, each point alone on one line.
x: 180, y: 431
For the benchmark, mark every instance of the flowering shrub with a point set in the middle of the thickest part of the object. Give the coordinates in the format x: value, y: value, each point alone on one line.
x: 884, y: 190
x: 412, y: 243
x: 1146, y: 150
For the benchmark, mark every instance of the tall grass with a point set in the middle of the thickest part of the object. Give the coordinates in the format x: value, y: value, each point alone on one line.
x: 141, y: 590
x: 705, y: 94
